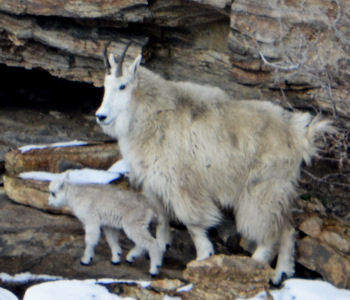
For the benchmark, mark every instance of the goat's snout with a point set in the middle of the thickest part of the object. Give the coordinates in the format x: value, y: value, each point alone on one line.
x: 101, y: 118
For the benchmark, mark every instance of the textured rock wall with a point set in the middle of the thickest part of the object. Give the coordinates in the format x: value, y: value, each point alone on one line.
x: 291, y: 51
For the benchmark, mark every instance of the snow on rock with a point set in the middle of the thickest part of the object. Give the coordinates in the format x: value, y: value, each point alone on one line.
x: 120, y: 167
x: 70, y: 290
x: 82, y: 176
x: 74, y: 143
x: 40, y: 175
x: 141, y: 283
x: 303, y: 289
x: 26, y: 277
x: 6, y: 295
x: 88, y: 176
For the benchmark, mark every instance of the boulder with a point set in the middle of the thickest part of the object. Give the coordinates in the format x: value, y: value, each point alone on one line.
x: 223, y: 277
x: 53, y: 158
x: 326, y: 248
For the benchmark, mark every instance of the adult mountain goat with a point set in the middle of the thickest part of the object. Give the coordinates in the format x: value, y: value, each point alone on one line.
x: 194, y: 150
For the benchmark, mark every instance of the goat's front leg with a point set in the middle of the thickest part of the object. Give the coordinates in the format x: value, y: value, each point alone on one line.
x: 112, y: 237
x: 163, y: 233
x: 92, y: 236
x: 200, y: 239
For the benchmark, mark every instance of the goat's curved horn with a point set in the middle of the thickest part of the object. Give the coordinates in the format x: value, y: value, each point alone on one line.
x: 121, y: 60
x: 105, y: 57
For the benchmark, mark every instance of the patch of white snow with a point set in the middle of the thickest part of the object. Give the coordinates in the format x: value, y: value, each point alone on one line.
x: 74, y: 143
x: 70, y: 290
x: 120, y: 167
x: 7, y: 295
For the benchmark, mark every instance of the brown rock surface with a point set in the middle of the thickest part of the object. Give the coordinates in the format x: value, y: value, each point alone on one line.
x: 333, y: 265
x: 93, y: 155
x: 226, y: 277
x: 297, y: 52
x: 326, y: 246
x: 295, y: 48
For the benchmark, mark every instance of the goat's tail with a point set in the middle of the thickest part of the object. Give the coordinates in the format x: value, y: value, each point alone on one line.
x: 313, y: 128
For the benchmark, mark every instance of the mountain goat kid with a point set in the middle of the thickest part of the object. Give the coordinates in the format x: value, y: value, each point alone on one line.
x: 111, y: 208
x: 194, y: 151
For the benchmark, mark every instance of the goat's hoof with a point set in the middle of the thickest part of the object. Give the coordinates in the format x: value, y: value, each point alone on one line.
x: 85, y: 264
x: 167, y: 246
x: 277, y: 282
x: 211, y: 254
x: 274, y: 284
x: 129, y: 261
x: 147, y: 256
x: 153, y: 275
x: 115, y: 263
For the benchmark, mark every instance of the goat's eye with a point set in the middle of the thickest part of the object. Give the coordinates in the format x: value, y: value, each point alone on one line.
x: 122, y: 87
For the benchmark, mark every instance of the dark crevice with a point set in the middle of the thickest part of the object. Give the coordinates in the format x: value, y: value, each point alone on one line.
x: 38, y: 89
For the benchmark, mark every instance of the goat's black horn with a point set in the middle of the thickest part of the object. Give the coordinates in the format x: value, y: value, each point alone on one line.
x: 105, y: 57
x: 121, y: 60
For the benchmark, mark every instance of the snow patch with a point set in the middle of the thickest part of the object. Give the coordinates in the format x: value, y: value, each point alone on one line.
x: 120, y: 167
x: 6, y: 295
x: 303, y: 289
x: 70, y: 290
x: 74, y: 143
x: 185, y: 288
x: 141, y: 283
x: 82, y: 176
x: 41, y: 175
x: 26, y: 277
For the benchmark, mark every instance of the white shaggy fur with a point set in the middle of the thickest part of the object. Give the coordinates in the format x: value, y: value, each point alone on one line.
x: 112, y: 209
x: 195, y: 151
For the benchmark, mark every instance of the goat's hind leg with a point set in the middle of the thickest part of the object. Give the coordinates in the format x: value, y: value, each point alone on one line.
x: 265, y: 251
x: 112, y: 237
x: 134, y: 253
x: 285, y: 261
x: 144, y: 240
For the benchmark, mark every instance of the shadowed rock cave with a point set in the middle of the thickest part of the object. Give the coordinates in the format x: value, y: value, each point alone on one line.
x: 37, y: 89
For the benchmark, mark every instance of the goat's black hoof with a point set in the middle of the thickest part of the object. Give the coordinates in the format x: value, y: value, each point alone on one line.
x: 115, y: 263
x: 129, y: 262
x: 211, y: 254
x: 274, y: 285
x: 167, y: 246
x: 85, y: 264
x: 147, y: 256
x: 153, y: 275
x: 284, y: 277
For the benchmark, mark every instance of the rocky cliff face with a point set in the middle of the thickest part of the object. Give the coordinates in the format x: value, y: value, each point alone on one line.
x: 297, y: 53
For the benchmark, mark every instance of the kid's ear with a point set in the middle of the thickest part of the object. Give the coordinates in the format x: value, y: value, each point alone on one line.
x: 134, y: 66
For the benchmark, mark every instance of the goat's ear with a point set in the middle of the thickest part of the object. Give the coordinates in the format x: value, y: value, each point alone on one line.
x: 112, y: 61
x: 134, y: 66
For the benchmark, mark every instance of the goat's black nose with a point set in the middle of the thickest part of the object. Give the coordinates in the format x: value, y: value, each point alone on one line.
x: 101, y: 118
